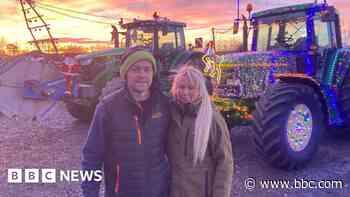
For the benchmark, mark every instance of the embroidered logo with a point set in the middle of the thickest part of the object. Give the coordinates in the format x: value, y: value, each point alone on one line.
x: 156, y: 115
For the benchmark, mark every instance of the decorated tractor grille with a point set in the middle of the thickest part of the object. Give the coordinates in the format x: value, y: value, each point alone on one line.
x: 247, y: 75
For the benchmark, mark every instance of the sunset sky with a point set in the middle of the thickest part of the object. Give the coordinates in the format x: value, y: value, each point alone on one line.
x: 200, y: 15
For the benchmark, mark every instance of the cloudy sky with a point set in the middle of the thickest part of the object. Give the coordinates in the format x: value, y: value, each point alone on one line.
x: 200, y: 15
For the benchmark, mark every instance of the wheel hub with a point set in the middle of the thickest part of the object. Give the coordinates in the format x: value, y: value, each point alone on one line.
x: 299, y: 127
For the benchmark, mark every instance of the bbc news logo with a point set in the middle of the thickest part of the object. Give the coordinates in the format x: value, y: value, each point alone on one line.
x: 52, y: 175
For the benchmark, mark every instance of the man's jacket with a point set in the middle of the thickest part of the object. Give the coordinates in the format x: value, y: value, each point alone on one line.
x: 128, y: 140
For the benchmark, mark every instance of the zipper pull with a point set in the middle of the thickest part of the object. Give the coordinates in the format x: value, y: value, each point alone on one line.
x: 138, y: 129
x: 117, y: 180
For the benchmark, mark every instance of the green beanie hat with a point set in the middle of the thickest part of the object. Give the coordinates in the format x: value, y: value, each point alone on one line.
x: 134, y: 57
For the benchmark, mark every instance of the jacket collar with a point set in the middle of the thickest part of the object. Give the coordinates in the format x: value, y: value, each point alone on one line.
x: 154, y: 96
x: 128, y: 97
x: 179, y: 111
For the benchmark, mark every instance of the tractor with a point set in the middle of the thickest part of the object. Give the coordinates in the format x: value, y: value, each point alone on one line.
x: 299, y: 72
x: 89, y: 77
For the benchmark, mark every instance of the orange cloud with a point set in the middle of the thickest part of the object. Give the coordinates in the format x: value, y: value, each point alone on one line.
x: 196, y: 13
x: 208, y: 12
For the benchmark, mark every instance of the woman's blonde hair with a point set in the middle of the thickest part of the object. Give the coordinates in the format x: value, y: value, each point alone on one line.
x: 205, y: 114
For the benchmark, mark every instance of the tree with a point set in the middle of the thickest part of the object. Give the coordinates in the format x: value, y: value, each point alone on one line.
x: 3, y: 42
x: 73, y: 49
x: 12, y: 49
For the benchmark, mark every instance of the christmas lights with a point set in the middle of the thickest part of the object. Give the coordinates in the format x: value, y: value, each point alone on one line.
x: 342, y: 66
x: 334, y: 77
x: 247, y: 75
x: 299, y: 127
x: 235, y: 111
x: 331, y: 101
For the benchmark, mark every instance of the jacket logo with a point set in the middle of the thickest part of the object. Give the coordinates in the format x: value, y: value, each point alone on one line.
x: 156, y: 115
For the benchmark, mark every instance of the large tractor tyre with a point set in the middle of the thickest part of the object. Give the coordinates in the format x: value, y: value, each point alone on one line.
x: 81, y: 112
x: 85, y: 112
x: 288, y: 123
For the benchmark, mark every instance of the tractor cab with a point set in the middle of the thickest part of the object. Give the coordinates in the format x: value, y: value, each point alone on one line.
x: 310, y: 30
x: 163, y: 37
x: 296, y: 27
x: 159, y: 34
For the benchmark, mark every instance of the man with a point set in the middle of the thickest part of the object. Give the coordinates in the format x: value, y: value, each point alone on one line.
x: 128, y: 133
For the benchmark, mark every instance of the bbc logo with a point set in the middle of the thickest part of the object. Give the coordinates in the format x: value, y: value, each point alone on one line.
x: 31, y: 176
x: 50, y: 175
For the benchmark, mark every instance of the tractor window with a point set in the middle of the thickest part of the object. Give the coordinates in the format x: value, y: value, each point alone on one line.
x: 289, y: 35
x: 296, y: 33
x: 263, y: 36
x: 325, y: 34
x: 170, y: 40
x: 274, y: 34
x: 139, y: 37
x: 167, y: 40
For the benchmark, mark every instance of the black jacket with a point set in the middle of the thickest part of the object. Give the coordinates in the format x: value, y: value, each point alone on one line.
x: 128, y: 140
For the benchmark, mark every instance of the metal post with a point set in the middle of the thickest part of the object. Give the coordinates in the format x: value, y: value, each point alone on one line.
x: 238, y: 9
x: 213, y: 34
x: 245, y: 34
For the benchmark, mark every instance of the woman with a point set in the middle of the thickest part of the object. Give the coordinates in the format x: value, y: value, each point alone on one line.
x: 199, y: 146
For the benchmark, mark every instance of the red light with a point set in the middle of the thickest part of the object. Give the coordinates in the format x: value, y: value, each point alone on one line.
x: 156, y: 15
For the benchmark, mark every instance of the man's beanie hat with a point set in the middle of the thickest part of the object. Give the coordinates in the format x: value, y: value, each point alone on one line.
x: 131, y: 56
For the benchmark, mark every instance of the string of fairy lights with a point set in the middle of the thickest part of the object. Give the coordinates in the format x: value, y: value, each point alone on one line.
x: 248, y: 75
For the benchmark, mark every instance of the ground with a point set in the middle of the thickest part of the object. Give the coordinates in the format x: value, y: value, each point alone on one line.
x: 56, y: 142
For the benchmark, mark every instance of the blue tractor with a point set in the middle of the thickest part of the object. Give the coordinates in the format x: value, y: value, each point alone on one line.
x: 305, y: 88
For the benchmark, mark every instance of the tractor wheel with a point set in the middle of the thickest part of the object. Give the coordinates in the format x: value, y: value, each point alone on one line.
x: 81, y: 112
x: 288, y: 122
x: 86, y: 112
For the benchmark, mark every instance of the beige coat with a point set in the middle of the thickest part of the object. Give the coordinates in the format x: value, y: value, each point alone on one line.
x: 213, y: 176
